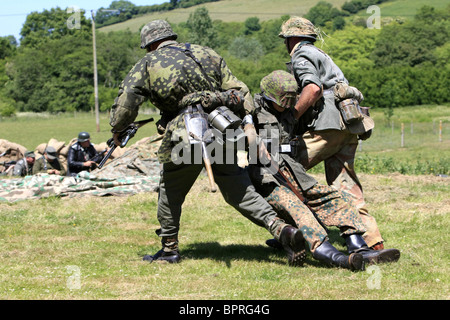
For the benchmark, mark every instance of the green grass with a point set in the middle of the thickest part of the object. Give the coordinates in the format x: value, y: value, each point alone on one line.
x: 46, y: 244
x: 43, y: 241
x: 406, y: 8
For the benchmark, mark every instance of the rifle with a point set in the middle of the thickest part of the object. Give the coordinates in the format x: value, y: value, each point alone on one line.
x: 282, y: 179
x: 124, y: 137
x: 8, y: 151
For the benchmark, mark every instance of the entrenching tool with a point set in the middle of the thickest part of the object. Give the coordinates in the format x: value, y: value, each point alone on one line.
x: 199, y: 132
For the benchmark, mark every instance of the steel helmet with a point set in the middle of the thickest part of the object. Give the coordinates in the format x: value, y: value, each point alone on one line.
x: 280, y: 87
x: 298, y: 27
x: 156, y: 30
x: 83, y: 136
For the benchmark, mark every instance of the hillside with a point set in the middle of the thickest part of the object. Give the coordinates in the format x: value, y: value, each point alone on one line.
x: 228, y: 11
x: 240, y: 10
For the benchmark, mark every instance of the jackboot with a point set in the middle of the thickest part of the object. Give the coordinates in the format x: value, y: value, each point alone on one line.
x: 161, y: 255
x: 356, y: 244
x: 330, y: 255
x: 294, y: 244
x: 274, y: 243
x: 168, y: 253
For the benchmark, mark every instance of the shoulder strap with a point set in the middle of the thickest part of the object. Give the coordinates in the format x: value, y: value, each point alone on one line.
x: 189, y: 53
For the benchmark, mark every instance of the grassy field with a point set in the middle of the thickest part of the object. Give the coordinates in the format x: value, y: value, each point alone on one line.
x: 55, y: 249
x: 92, y: 248
x: 227, y: 11
x: 239, y: 11
x: 406, y: 8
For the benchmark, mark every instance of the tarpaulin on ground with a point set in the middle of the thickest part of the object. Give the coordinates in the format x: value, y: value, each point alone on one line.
x: 136, y: 171
x: 85, y: 184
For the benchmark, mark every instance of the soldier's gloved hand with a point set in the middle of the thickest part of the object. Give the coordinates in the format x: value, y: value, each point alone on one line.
x: 235, y: 100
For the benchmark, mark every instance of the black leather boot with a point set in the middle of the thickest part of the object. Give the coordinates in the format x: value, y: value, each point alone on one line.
x: 161, y: 255
x: 330, y: 255
x: 168, y: 253
x: 274, y: 243
x: 294, y: 244
x: 355, y: 243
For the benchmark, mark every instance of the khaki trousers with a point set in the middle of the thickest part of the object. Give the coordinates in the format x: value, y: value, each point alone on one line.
x: 337, y: 149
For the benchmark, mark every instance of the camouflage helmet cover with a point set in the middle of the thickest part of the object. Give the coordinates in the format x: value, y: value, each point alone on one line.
x: 280, y: 87
x: 298, y: 27
x: 156, y: 30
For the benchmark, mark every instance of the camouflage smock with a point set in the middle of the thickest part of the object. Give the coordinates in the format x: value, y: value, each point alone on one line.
x: 279, y: 129
x: 165, y: 76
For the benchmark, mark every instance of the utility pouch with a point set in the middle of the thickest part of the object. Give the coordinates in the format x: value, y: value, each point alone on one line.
x: 296, y: 146
x: 350, y: 111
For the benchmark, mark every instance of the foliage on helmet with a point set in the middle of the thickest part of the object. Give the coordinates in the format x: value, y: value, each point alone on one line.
x: 156, y: 30
x: 280, y: 87
x: 298, y: 27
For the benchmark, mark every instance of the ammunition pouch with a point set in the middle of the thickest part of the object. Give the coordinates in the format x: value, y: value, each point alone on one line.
x: 297, y: 145
x: 347, y: 100
x: 350, y: 111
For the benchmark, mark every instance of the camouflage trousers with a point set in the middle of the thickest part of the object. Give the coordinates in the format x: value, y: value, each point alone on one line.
x: 337, y: 149
x: 328, y: 208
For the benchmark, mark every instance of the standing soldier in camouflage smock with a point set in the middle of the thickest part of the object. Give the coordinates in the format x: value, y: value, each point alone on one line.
x: 325, y: 135
x: 292, y: 192
x: 170, y: 74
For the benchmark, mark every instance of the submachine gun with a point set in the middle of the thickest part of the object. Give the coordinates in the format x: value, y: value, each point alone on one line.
x: 124, y: 137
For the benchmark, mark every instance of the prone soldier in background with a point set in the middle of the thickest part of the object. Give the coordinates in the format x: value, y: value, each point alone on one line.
x: 49, y: 163
x: 24, y: 167
x: 82, y: 155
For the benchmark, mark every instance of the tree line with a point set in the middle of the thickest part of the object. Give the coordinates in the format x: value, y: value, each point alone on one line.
x: 401, y: 64
x: 123, y: 10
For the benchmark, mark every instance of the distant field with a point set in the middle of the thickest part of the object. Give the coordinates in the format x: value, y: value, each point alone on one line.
x: 228, y: 11
x: 240, y: 10
x: 406, y: 8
